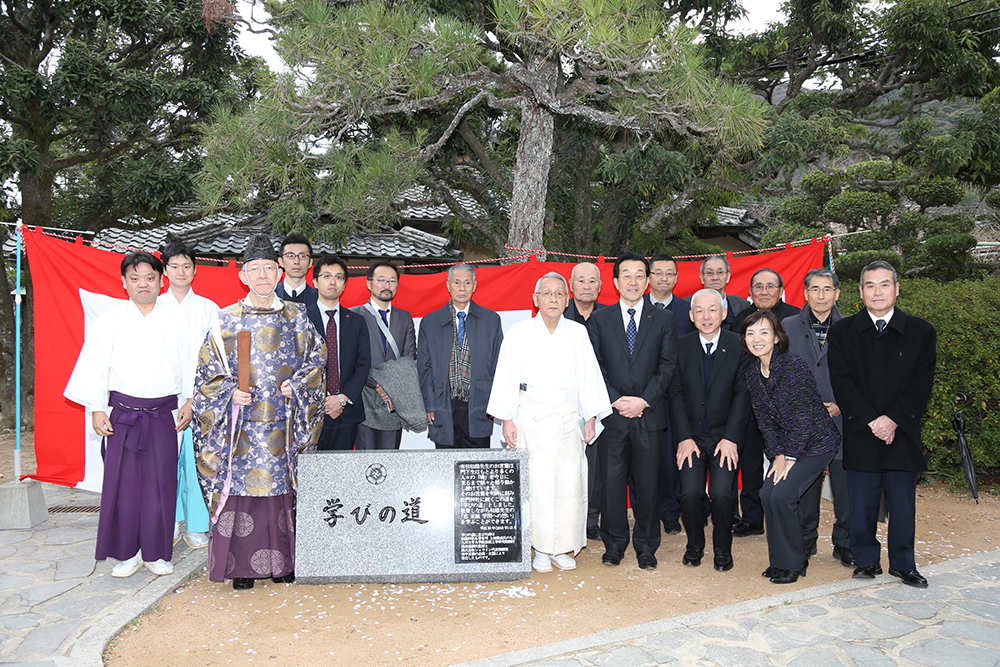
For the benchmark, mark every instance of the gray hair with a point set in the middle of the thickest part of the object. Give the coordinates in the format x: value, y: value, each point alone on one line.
x: 880, y: 264
x: 822, y: 273
x: 725, y: 261
x: 714, y: 293
x: 461, y: 267
x: 548, y: 276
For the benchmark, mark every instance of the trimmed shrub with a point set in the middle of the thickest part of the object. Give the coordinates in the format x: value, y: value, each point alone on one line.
x: 849, y: 265
x: 869, y: 241
x: 798, y: 210
x: 821, y: 186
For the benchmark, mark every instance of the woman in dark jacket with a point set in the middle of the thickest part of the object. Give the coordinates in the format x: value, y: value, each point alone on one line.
x: 800, y: 439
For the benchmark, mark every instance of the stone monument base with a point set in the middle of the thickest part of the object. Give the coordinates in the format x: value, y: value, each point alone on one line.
x: 22, y: 505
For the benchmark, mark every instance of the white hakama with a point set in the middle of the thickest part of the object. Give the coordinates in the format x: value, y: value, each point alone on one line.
x: 563, y: 388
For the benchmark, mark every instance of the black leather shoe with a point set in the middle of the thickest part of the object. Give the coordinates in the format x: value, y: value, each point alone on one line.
x: 242, y: 584
x: 594, y: 533
x: 867, y: 572
x: 672, y: 527
x: 744, y: 529
x: 790, y: 576
x: 811, y: 549
x: 692, y: 557
x: 723, y: 561
x: 612, y: 557
x: 647, y: 561
x: 844, y: 555
x: 910, y: 578
x: 287, y: 579
x: 771, y: 571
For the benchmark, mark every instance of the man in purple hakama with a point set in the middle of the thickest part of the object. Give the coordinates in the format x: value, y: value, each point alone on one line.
x: 128, y: 379
x: 250, y: 487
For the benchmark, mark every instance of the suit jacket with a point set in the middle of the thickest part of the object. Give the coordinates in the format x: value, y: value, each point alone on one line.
x: 646, y: 373
x: 802, y: 343
x: 355, y: 359
x: 681, y: 308
x: 727, y: 396
x: 781, y: 310
x: 309, y: 297
x: 437, y: 333
x: 401, y: 328
x: 734, y: 306
x: 572, y: 314
x: 888, y: 374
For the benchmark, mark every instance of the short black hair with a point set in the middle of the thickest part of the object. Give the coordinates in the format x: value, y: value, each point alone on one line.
x: 134, y: 259
x: 662, y: 258
x: 781, y: 282
x: 772, y: 319
x: 295, y: 239
x: 630, y: 257
x: 176, y: 249
x: 328, y: 260
x: 879, y: 264
x: 381, y: 262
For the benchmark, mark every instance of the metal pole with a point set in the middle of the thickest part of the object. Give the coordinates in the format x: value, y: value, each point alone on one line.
x: 17, y: 358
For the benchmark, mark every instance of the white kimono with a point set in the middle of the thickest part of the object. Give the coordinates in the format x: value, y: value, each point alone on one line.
x: 195, y: 315
x: 563, y: 388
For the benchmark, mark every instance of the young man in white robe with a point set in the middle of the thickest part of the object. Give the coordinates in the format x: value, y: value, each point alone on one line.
x: 549, y: 392
x: 195, y: 316
x: 128, y: 378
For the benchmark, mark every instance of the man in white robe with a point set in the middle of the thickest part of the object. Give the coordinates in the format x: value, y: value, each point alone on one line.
x: 195, y: 316
x: 128, y: 378
x: 549, y: 392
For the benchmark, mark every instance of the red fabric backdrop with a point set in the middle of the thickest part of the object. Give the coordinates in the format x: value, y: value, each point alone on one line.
x: 59, y: 269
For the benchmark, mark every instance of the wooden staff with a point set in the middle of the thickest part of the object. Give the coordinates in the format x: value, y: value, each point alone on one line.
x: 243, y: 359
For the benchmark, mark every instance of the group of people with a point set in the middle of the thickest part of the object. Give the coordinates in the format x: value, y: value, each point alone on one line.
x: 644, y: 402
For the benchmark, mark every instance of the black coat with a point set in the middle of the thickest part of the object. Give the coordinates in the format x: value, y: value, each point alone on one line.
x: 572, y: 314
x: 888, y: 374
x: 681, y: 308
x: 355, y: 358
x: 646, y: 373
x: 728, y: 399
x: 781, y: 310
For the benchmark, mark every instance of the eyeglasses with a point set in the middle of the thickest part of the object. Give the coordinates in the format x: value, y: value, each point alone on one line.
x: 387, y: 282
x: 661, y: 274
x: 339, y: 277
x: 764, y: 287
x: 547, y: 294
x: 292, y: 256
x: 825, y: 291
x: 711, y: 273
x: 636, y: 277
x: 268, y: 269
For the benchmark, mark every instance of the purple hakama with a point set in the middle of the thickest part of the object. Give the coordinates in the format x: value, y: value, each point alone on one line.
x: 253, y: 539
x: 140, y: 480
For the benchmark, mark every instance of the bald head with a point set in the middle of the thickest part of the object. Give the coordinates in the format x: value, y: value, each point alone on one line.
x: 585, y: 283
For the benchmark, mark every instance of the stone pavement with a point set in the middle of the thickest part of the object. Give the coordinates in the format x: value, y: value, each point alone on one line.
x: 58, y: 606
x: 955, y: 622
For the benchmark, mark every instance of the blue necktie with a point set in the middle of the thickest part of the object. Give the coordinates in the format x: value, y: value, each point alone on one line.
x: 385, y: 318
x: 630, y: 331
x: 461, y: 328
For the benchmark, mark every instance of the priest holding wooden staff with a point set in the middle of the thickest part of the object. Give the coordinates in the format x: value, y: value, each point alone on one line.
x: 247, y: 440
x: 549, y: 392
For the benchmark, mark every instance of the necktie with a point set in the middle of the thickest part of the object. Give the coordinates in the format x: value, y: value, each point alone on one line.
x: 332, y: 358
x: 707, y: 361
x: 661, y: 306
x: 880, y: 324
x: 385, y: 318
x: 630, y: 331
x: 461, y: 328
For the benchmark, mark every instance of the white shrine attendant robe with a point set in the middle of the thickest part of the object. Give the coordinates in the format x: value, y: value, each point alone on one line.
x: 196, y: 315
x: 126, y: 352
x: 563, y: 388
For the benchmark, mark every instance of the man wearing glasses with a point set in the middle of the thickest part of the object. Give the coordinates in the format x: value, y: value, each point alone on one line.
x: 348, y: 356
x: 715, y: 275
x: 295, y: 257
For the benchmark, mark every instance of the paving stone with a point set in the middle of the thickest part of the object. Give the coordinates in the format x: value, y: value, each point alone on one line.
x: 6, y: 551
x: 891, y: 625
x: 91, y: 605
x: 672, y: 640
x: 817, y: 658
x: 866, y: 656
x: 989, y: 594
x: 33, y: 663
x: 731, y: 633
x: 794, y: 613
x: 984, y: 609
x: 947, y: 653
x: 13, y: 536
x: 851, y: 601
x: 81, y: 550
x: 25, y: 566
x: 660, y: 657
x: 46, y: 638
x: 17, y: 622
x: 558, y: 663
x: 897, y: 592
x: 68, y: 536
x: 38, y: 594
x: 52, y: 554
x: 954, y: 580
x: 106, y: 582
x: 736, y: 656
x: 77, y: 568
x: 779, y: 639
x: 844, y: 628
x: 623, y: 656
x: 979, y: 632
x: 920, y: 610
x: 13, y: 582
x: 988, y: 571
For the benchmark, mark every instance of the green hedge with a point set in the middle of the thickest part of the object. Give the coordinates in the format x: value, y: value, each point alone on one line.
x: 966, y: 315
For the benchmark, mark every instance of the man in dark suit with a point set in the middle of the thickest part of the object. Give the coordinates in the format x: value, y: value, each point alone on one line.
x: 709, y: 407
x: 636, y: 346
x: 662, y: 278
x: 585, y: 284
x: 766, y: 288
x: 295, y: 258
x: 456, y: 358
x: 383, y: 282
x: 715, y: 274
x: 882, y: 370
x: 348, y: 356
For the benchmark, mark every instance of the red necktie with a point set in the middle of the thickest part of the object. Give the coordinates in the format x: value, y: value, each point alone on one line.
x: 332, y: 358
